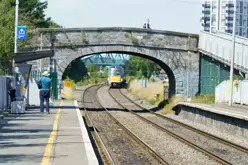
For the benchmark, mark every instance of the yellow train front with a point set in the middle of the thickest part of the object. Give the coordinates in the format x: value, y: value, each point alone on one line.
x: 116, y: 76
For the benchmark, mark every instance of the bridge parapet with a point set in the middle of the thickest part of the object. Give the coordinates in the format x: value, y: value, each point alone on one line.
x: 219, y: 46
x: 81, y: 37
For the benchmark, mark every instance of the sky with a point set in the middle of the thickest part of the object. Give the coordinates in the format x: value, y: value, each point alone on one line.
x: 172, y: 15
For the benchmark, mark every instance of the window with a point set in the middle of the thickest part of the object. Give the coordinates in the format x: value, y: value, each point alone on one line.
x: 214, y: 9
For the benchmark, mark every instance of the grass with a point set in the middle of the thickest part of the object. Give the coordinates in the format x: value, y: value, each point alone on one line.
x: 171, y: 104
x: 206, y: 99
x: 153, y: 101
x: 135, y: 41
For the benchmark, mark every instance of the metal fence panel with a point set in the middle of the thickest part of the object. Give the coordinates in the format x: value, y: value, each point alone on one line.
x: 240, y: 95
x: 4, y: 97
x: 219, y: 45
x: 213, y: 73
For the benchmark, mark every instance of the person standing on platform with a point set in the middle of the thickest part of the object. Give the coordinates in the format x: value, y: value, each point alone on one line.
x: 45, y: 90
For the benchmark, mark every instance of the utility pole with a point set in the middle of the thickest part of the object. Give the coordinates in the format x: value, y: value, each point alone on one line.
x: 233, y: 54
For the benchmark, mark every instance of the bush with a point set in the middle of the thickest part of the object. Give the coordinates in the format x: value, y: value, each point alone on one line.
x: 130, y: 78
x: 153, y: 101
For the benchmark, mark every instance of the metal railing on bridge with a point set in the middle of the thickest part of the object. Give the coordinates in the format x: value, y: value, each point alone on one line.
x: 219, y: 46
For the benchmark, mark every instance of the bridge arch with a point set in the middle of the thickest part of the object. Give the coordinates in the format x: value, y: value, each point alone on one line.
x: 176, y: 73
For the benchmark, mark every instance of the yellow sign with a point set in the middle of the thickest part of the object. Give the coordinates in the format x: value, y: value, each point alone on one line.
x: 68, y: 84
x: 24, y: 90
x: 27, y: 76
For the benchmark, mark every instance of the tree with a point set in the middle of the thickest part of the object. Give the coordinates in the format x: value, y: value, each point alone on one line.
x: 75, y: 71
x: 93, y: 68
x: 31, y: 14
x: 105, y: 72
x: 7, y: 25
x: 34, y: 12
x: 141, y: 67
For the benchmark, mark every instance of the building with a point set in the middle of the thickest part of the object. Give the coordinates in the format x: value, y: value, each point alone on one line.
x: 217, y: 15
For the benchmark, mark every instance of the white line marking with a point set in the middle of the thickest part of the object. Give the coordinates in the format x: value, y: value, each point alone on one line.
x: 91, y: 156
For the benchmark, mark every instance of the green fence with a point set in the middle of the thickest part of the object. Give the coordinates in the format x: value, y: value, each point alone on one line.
x: 54, y: 77
x: 213, y: 73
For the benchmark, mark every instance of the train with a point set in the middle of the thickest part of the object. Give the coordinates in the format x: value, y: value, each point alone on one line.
x: 116, y: 76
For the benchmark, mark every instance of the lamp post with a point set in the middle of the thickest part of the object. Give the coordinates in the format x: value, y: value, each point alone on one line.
x: 16, y: 25
x: 233, y: 54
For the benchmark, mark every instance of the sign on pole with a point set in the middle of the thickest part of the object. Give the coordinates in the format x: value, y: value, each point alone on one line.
x: 68, y: 84
x: 22, y: 33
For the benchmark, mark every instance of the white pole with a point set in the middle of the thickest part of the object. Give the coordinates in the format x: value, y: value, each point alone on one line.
x: 16, y: 25
x: 233, y: 54
x: 40, y: 68
x: 16, y: 41
x: 188, y: 68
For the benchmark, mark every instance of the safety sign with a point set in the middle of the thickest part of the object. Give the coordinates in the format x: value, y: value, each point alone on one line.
x: 22, y: 32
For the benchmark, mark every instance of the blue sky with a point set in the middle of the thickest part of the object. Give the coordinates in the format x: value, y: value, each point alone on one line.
x: 174, y: 15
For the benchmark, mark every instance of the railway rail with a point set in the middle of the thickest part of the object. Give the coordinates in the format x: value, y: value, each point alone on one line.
x: 117, y: 146
x: 221, y: 150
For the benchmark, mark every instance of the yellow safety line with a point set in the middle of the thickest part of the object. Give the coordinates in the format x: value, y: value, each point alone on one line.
x: 51, y: 141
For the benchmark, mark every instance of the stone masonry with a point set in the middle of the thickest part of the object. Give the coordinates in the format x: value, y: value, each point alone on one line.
x: 175, y: 52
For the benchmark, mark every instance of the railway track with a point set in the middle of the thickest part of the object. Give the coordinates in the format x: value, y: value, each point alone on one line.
x: 219, y: 149
x: 118, y: 144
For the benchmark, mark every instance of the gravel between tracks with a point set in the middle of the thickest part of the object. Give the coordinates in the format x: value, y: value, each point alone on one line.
x: 225, y: 135
x: 123, y: 149
x: 168, y: 147
x: 222, y: 134
x: 229, y: 153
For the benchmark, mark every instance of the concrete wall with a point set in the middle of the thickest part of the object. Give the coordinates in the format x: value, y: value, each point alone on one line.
x: 175, y: 52
x: 216, y: 121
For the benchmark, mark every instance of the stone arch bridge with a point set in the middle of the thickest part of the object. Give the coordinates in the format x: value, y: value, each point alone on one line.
x: 175, y: 52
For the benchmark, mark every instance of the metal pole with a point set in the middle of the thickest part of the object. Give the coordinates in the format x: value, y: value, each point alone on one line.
x: 16, y: 44
x: 233, y: 54
x: 28, y: 92
x: 40, y: 61
x: 16, y: 25
x: 188, y: 68
x: 52, y: 67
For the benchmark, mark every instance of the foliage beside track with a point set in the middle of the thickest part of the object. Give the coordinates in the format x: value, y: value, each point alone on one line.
x: 141, y: 67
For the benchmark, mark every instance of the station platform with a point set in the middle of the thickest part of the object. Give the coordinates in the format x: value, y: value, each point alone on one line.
x: 235, y: 111
x: 58, y: 138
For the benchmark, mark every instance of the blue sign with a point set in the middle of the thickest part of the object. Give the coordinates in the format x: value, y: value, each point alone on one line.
x: 22, y: 32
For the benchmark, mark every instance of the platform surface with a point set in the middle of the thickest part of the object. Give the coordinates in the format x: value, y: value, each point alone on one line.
x: 59, y: 138
x: 240, y: 112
